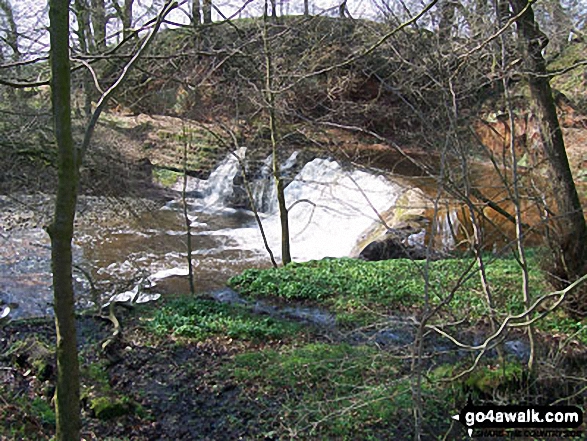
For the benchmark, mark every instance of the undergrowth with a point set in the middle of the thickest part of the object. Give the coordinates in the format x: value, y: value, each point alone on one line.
x: 360, y: 292
x: 199, y: 319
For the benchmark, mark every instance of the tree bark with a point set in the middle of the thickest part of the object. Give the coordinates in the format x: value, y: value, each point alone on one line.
x: 98, y: 18
x: 196, y: 14
x: 207, y: 11
x: 67, y: 404
x: 571, y: 250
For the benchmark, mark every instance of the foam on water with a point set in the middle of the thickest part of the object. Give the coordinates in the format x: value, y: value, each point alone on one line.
x: 329, y: 208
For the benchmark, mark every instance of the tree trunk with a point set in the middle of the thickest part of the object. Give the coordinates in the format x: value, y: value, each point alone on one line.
x: 447, y: 18
x: 98, y: 18
x: 207, y: 11
x: 306, y: 8
x: 571, y: 249
x: 67, y: 405
x: 196, y: 14
x: 342, y: 9
x: 124, y: 13
x: 270, y: 99
x: 127, y: 18
x: 85, y: 42
x: 274, y: 9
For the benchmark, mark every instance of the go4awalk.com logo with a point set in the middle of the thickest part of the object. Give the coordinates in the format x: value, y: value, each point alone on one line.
x: 519, y: 417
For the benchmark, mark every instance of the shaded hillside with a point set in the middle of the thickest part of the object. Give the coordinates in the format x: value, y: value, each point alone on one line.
x: 337, y: 84
x: 350, y: 72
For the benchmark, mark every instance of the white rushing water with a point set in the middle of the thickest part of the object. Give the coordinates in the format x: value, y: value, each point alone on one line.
x: 329, y: 209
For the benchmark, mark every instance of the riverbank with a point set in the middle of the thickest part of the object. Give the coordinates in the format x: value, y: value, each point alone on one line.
x: 28, y: 211
x: 196, y: 368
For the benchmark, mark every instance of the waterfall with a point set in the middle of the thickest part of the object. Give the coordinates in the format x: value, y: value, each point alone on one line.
x: 264, y: 189
x: 219, y: 185
x: 447, y: 227
x: 329, y: 208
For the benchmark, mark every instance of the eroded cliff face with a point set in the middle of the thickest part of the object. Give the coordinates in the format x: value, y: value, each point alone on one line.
x: 494, y: 134
x: 443, y: 219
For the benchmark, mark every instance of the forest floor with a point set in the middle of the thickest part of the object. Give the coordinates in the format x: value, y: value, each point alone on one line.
x: 196, y: 369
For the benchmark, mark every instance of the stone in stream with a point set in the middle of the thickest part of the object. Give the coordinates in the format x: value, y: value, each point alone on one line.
x: 396, y: 244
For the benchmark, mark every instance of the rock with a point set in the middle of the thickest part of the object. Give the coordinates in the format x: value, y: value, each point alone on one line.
x: 227, y: 295
x: 311, y: 315
x: 398, y: 243
x: 4, y: 314
x: 518, y: 348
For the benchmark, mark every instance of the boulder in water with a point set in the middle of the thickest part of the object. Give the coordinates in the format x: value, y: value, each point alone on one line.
x: 396, y: 244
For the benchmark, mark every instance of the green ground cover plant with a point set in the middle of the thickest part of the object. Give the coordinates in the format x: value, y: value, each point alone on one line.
x: 198, y: 319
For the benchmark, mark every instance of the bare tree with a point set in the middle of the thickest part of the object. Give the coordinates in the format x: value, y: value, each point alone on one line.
x: 570, y: 251
x: 270, y: 99
x: 67, y: 395
x: 61, y: 230
x: 11, y: 31
x: 99, y: 21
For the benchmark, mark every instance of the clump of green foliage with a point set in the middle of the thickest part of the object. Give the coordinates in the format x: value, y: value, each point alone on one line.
x: 199, y: 319
x: 165, y: 177
x: 105, y: 408
x: 342, y: 391
x: 360, y: 292
x: 328, y: 391
x: 353, y: 287
x: 571, y: 83
x: 23, y: 418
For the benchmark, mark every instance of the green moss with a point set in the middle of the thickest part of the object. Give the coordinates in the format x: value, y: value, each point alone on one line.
x: 165, y: 177
x: 106, y: 408
x: 490, y: 379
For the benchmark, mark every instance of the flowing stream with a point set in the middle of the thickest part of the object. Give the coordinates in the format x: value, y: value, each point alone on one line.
x: 329, y: 209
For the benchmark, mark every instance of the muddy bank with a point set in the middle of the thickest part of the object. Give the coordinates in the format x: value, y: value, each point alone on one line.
x: 28, y: 211
x: 167, y: 391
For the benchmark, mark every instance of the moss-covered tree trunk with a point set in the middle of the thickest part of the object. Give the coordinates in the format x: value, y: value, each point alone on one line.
x: 571, y: 247
x: 67, y: 403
